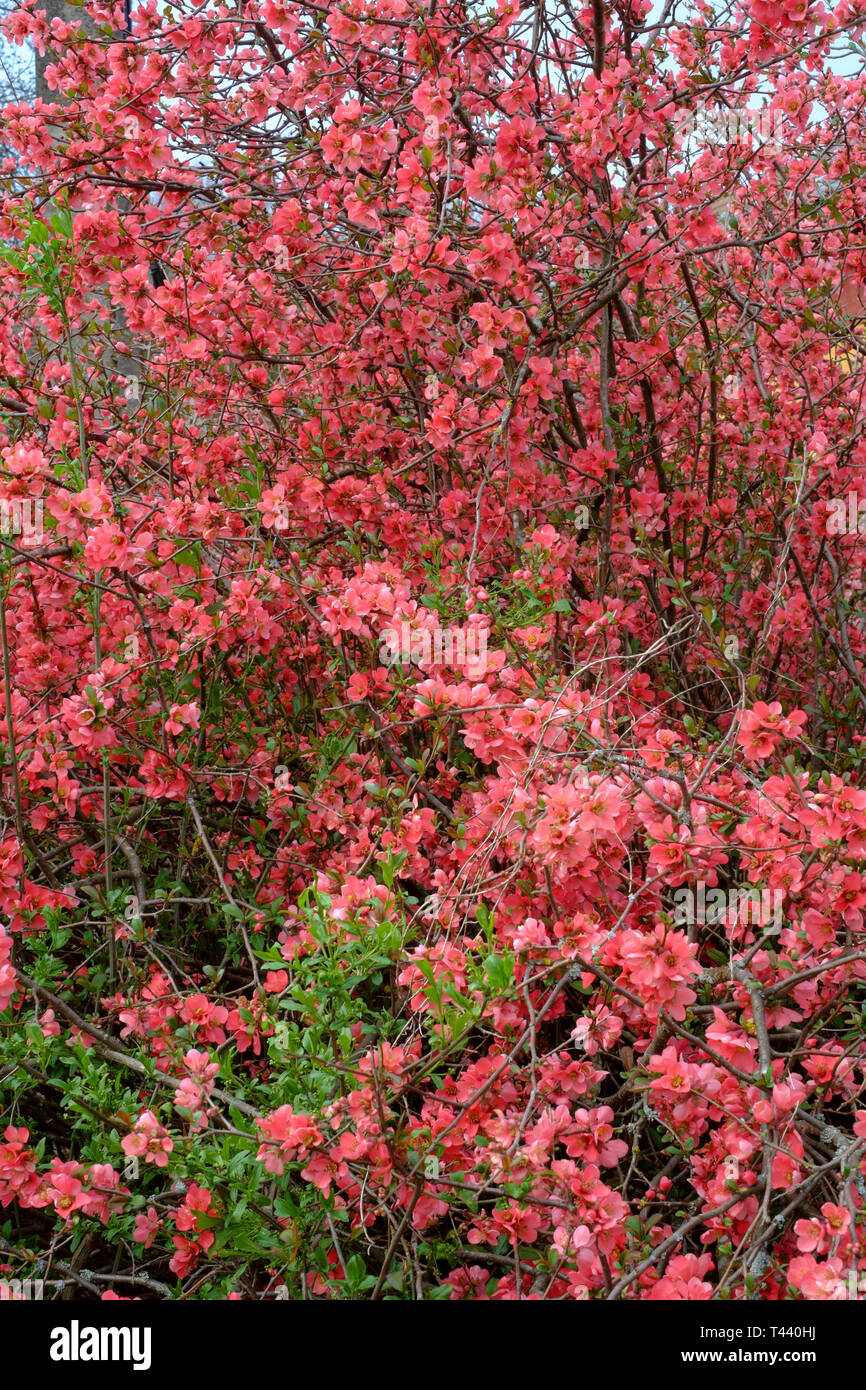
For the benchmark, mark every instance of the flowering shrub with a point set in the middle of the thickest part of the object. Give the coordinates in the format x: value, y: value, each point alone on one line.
x: 328, y: 978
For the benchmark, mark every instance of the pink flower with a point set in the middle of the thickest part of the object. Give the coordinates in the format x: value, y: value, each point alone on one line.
x: 205, y: 1018
x: 683, y: 1279
x: 67, y: 1193
x: 657, y: 964
x: 287, y: 1135
x: 182, y: 717
x: 837, y: 1219
x: 106, y: 548
x: 359, y: 686
x: 810, y: 1234
x: 731, y: 1042
x: 48, y: 1024
x: 146, y: 1226
x: 149, y: 1140
x: 673, y: 1074
x: 8, y: 978
x: 187, y: 1254
x: 816, y: 1280
x: 763, y: 726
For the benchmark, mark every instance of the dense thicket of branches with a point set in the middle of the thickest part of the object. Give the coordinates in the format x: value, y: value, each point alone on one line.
x: 519, y: 343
